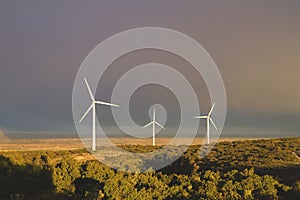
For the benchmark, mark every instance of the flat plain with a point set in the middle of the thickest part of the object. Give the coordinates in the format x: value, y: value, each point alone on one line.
x: 76, y: 143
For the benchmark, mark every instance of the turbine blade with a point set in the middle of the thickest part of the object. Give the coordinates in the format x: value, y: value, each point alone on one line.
x: 213, y: 123
x: 106, y: 103
x: 209, y: 114
x: 147, y: 125
x: 200, y: 117
x: 89, y: 89
x: 87, y: 111
x: 159, y: 125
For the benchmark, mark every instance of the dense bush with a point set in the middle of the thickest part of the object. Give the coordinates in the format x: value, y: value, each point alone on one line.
x: 236, y: 170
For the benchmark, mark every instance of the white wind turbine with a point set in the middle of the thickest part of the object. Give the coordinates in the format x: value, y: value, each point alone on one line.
x: 153, y: 123
x: 208, y: 120
x: 93, y: 106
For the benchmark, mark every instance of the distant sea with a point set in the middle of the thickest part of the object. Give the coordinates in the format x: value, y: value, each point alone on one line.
x: 42, y: 135
x: 113, y: 133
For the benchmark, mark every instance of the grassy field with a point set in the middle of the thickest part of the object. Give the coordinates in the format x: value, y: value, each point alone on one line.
x: 234, y: 169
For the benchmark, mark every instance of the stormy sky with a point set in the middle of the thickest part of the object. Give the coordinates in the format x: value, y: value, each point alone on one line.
x: 255, y: 44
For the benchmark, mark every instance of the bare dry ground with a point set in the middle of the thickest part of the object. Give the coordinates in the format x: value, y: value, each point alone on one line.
x: 75, y: 143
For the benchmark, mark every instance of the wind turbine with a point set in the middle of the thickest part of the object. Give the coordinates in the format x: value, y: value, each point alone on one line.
x: 208, y: 120
x: 153, y: 123
x: 93, y: 107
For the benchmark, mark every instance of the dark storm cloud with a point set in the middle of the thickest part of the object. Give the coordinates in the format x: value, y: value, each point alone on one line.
x: 255, y: 44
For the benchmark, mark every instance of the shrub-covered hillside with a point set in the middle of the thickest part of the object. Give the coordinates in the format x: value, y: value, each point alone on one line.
x: 261, y: 169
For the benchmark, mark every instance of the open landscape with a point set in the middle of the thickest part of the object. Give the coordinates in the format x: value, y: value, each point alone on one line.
x: 234, y: 169
x: 150, y: 100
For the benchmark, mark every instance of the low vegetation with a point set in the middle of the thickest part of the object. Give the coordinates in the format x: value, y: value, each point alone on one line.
x: 261, y: 169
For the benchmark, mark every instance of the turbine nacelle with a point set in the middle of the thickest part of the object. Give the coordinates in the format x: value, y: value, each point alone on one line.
x: 105, y: 103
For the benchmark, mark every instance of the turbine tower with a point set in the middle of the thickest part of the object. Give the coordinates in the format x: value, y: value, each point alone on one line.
x: 208, y: 120
x: 153, y: 123
x: 93, y: 107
